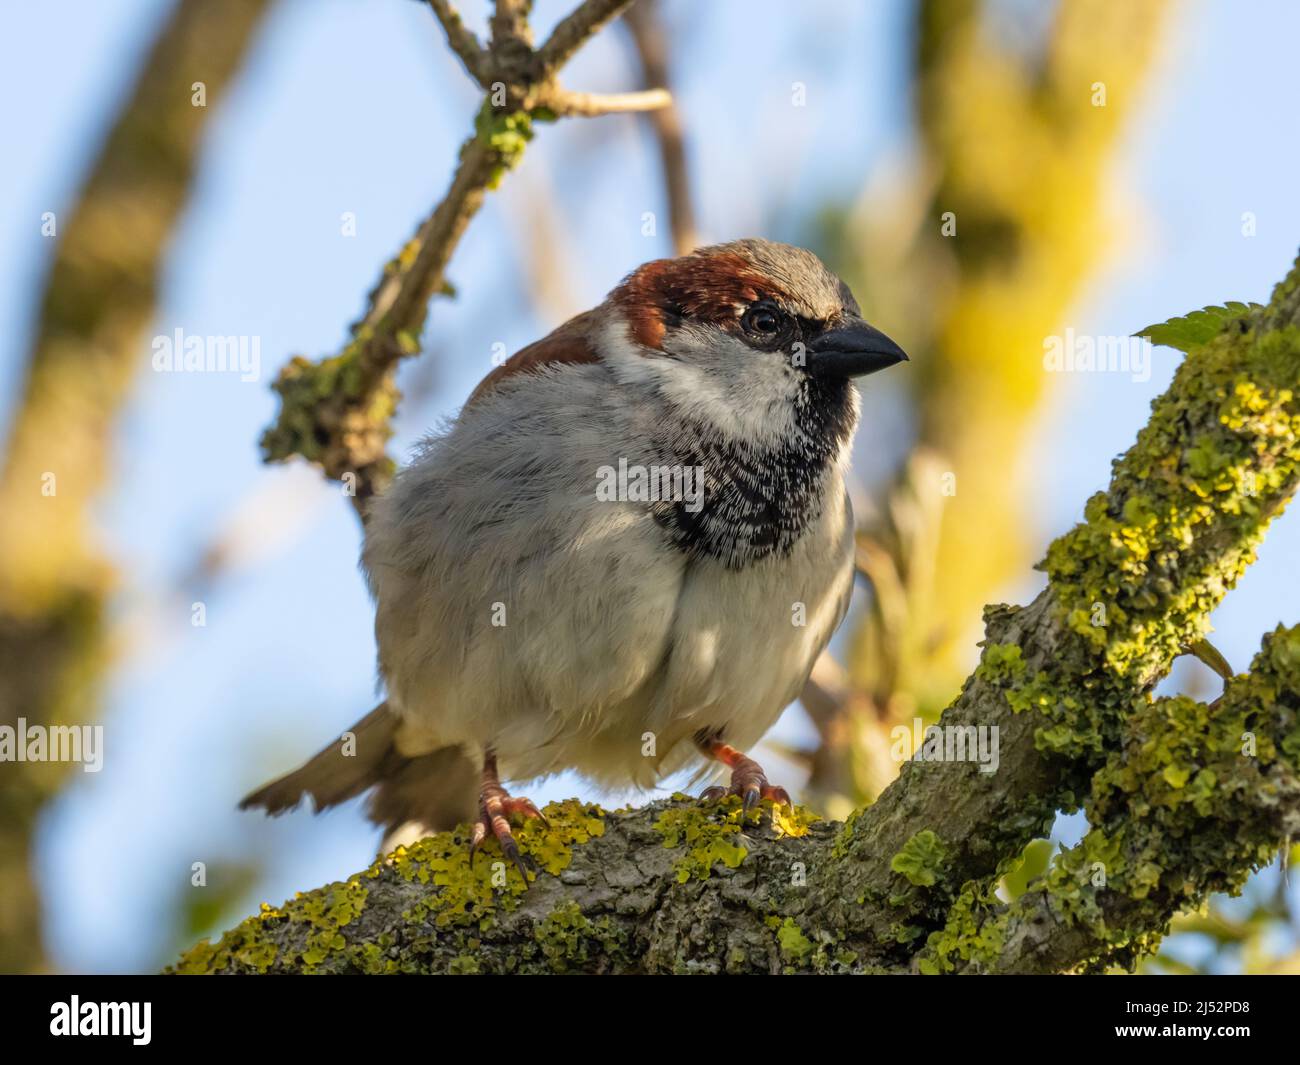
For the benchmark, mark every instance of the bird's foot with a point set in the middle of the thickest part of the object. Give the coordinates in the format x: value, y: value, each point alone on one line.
x: 495, y: 808
x: 747, y: 780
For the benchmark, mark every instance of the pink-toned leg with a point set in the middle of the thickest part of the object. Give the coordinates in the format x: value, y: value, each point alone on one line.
x: 495, y: 808
x: 747, y: 778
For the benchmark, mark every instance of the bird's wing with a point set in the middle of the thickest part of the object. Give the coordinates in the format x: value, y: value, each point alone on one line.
x: 513, y: 604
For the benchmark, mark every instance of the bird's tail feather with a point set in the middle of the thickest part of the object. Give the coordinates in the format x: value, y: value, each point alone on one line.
x: 436, y: 790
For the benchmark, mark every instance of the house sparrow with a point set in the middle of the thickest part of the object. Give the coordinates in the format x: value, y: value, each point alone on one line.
x: 625, y: 553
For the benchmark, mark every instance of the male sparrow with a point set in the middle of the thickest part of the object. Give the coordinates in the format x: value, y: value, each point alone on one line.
x: 625, y: 553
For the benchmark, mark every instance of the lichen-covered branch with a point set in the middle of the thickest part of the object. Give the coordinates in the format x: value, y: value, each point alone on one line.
x: 675, y: 887
x: 336, y: 412
x: 1130, y: 588
x: 668, y: 887
x: 1183, y: 798
x: 1196, y: 797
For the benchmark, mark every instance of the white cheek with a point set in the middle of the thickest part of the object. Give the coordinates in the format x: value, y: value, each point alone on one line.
x: 745, y: 394
x: 623, y: 355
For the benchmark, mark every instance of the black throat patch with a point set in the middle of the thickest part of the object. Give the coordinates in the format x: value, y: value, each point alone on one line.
x: 758, y: 500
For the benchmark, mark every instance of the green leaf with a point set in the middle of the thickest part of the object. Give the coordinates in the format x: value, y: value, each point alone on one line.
x: 1192, y: 330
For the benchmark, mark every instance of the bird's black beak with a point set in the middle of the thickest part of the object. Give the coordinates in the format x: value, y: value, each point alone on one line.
x: 852, y: 349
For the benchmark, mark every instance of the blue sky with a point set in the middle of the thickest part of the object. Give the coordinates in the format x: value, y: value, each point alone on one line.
x: 351, y: 106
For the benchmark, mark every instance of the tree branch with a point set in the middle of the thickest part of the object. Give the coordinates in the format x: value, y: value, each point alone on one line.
x: 510, y: 29
x: 909, y: 884
x: 677, y: 887
x: 1196, y: 798
x: 651, y: 41
x: 592, y: 104
x: 462, y: 41
x: 573, y: 31
x: 336, y: 412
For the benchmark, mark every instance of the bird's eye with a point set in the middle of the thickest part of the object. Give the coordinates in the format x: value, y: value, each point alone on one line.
x: 762, y: 319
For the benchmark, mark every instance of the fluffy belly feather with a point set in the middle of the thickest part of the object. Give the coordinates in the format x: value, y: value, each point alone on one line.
x: 740, y: 647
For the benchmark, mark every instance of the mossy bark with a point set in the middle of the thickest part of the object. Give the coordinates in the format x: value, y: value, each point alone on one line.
x: 1184, y: 798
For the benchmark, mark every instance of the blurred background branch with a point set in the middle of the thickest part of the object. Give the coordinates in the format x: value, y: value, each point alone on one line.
x: 978, y: 248
x: 645, y: 23
x: 99, y: 299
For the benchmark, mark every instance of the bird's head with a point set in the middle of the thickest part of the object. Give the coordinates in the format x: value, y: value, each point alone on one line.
x: 746, y: 336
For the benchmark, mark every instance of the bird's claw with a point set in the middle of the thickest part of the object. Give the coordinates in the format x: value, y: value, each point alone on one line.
x: 495, y: 808
x: 749, y: 782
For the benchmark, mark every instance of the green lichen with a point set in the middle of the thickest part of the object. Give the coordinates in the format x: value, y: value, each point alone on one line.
x: 922, y: 859
x: 564, y: 936
x: 327, y: 913
x: 1000, y: 663
x: 309, y: 933
x: 571, y: 823
x: 1072, y: 731
x: 800, y: 950
x: 794, y: 946
x: 315, y: 923
x: 570, y: 941
x: 1188, y: 503
x: 463, y: 965
x: 506, y: 133
x: 245, y: 948
x: 470, y: 891
x: 968, y: 936
x: 1183, y: 807
x: 843, y: 842
x: 792, y: 822
x: 1135, y: 583
x: 709, y: 833
x: 329, y: 414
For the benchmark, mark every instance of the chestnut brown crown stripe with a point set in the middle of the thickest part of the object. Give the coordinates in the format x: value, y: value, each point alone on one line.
x: 706, y: 288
